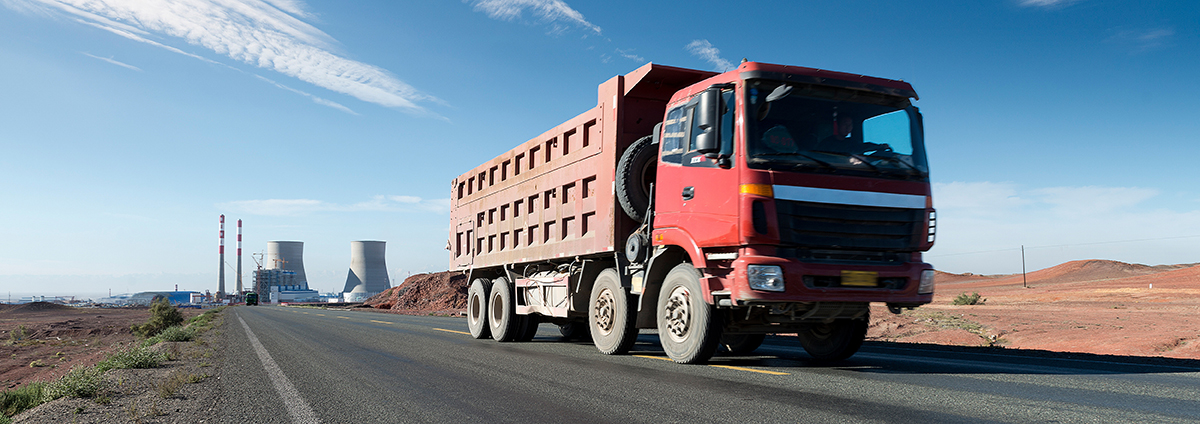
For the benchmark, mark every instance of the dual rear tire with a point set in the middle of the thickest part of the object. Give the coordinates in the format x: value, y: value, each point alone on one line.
x: 491, y: 312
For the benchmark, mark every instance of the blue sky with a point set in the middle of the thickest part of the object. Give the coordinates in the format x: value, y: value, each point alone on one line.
x: 128, y: 126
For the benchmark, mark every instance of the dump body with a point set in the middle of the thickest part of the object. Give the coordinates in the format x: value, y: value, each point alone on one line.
x: 552, y: 196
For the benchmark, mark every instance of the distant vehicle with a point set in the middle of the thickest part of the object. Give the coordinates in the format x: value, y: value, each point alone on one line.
x: 716, y: 208
x: 251, y: 299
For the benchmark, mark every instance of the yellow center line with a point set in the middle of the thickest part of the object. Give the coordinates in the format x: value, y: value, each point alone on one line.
x: 343, y: 317
x: 320, y: 315
x: 750, y: 369
x: 652, y: 357
x: 720, y: 366
x: 383, y: 322
x: 451, y: 331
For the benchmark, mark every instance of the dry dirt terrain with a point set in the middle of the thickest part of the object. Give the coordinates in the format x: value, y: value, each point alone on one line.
x: 1091, y: 306
x: 41, y: 341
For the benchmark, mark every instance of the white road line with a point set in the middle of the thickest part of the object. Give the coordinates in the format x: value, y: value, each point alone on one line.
x: 296, y: 406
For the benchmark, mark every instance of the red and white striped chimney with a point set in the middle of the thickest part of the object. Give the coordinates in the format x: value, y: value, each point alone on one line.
x: 239, y: 259
x: 221, y: 252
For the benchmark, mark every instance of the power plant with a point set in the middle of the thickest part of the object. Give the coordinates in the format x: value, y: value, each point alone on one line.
x: 280, y: 274
x: 368, y: 271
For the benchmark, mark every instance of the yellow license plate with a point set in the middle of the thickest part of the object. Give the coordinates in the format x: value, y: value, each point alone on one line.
x: 860, y: 278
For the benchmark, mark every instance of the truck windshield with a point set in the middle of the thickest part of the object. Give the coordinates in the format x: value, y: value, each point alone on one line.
x: 811, y: 128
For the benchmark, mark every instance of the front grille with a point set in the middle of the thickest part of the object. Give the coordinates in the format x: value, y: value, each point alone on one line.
x: 844, y: 227
x: 846, y: 256
x: 825, y: 281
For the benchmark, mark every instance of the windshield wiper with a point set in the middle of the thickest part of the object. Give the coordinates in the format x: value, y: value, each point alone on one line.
x: 864, y: 160
x: 894, y: 159
x: 818, y: 161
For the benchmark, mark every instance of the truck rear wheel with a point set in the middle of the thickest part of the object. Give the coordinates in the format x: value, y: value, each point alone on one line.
x: 573, y: 330
x: 477, y: 296
x: 611, y: 316
x: 529, y: 327
x: 833, y: 341
x: 687, y: 328
x: 635, y: 172
x: 503, y: 320
x: 741, y: 344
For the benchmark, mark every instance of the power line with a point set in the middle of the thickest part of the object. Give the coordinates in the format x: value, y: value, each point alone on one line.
x: 1064, y: 245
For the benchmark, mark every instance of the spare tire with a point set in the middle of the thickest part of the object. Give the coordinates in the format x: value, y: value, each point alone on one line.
x: 635, y: 173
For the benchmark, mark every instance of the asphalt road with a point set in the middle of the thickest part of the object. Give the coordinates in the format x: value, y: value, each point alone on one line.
x: 310, y: 365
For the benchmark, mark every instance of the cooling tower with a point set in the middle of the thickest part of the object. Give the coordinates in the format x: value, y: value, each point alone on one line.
x: 368, y: 271
x: 287, y: 255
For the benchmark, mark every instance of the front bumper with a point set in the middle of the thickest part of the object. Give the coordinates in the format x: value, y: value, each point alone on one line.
x: 896, y: 284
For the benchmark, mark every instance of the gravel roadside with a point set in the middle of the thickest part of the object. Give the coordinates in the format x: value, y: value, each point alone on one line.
x: 185, y: 389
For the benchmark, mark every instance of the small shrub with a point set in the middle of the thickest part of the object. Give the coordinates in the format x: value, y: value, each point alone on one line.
x: 81, y: 382
x: 15, y: 401
x: 971, y: 299
x: 137, y: 357
x: 171, y: 385
x: 18, y: 334
x: 196, y: 378
x: 178, y: 334
x: 37, y: 363
x: 162, y: 316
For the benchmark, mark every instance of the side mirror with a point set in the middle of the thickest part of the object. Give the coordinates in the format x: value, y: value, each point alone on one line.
x: 707, y: 120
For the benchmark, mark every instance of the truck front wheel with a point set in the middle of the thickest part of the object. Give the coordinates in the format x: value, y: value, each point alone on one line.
x: 687, y: 328
x: 833, y: 341
x: 611, y: 316
x: 477, y: 296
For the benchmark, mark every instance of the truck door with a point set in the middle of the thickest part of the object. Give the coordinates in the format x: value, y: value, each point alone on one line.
x: 695, y: 193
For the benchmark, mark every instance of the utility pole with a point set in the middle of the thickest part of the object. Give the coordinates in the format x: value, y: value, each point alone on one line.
x: 1024, y: 283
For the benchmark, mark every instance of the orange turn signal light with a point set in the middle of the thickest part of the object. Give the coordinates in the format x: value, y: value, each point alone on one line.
x: 765, y: 190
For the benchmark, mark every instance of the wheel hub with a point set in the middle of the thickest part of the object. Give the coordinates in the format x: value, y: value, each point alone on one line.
x: 604, y: 312
x: 678, y: 314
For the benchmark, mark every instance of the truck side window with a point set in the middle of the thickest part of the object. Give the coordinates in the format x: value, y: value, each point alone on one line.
x: 673, y: 135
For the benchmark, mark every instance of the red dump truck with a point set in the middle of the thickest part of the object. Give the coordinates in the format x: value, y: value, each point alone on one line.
x: 716, y: 208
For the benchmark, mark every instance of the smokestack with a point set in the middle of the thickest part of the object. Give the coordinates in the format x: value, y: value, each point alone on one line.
x: 221, y: 252
x: 287, y: 255
x: 239, y: 259
x: 368, y: 271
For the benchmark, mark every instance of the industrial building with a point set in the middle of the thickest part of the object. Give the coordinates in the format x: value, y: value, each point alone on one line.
x: 283, y: 278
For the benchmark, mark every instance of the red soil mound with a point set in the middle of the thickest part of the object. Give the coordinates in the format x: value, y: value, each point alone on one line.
x: 440, y: 292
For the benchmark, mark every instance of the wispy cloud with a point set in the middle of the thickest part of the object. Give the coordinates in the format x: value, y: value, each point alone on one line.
x: 315, y: 99
x: 554, y: 12
x: 264, y: 33
x: 1047, y: 3
x: 114, y: 62
x: 1144, y: 40
x: 296, y: 207
x: 705, y: 51
x: 628, y: 54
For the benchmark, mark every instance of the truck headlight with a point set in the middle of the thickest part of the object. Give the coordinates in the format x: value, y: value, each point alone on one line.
x: 926, y: 286
x: 765, y: 277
